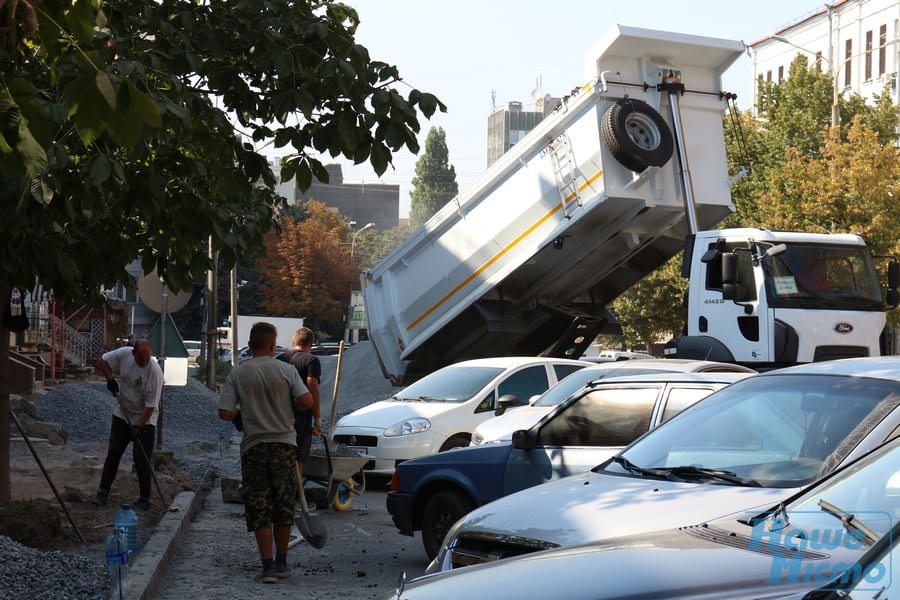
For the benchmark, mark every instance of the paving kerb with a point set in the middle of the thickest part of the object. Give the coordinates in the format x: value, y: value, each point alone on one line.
x: 145, y: 573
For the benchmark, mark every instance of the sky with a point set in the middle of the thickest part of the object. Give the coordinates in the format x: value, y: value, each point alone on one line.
x: 478, y: 54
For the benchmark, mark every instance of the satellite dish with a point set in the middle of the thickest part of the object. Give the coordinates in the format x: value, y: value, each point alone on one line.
x: 151, y: 289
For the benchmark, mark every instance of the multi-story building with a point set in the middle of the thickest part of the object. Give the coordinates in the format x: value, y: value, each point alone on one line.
x: 855, y: 41
x: 377, y: 203
x: 509, y: 125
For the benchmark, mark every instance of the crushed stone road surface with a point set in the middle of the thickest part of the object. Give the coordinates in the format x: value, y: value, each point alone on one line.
x: 363, y: 558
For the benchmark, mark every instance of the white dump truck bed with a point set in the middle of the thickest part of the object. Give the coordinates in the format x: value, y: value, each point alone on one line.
x: 525, y: 260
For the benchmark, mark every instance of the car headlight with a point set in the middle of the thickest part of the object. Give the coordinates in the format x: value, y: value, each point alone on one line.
x: 408, y: 427
x: 477, y: 439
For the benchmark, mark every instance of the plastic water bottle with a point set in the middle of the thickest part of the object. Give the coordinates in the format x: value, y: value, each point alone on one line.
x: 126, y: 522
x: 116, y: 563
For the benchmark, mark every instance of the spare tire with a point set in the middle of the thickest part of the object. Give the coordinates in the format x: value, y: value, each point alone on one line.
x: 636, y: 135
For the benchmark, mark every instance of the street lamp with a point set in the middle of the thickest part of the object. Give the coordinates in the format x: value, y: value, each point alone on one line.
x: 352, y: 224
x: 835, y: 92
x: 353, y: 237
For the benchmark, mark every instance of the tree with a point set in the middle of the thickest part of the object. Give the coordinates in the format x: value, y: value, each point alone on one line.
x: 117, y: 138
x: 306, y: 271
x: 434, y: 183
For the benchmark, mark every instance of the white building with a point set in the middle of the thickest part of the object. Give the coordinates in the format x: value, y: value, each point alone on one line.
x: 854, y: 40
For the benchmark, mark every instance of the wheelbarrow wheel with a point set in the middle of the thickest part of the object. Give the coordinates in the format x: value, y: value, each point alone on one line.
x: 343, y: 496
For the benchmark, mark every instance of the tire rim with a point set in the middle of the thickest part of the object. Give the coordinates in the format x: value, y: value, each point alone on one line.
x: 642, y: 131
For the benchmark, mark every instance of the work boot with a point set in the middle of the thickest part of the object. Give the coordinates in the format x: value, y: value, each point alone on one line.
x: 282, y: 571
x: 101, y: 498
x: 269, y: 575
x: 142, y: 503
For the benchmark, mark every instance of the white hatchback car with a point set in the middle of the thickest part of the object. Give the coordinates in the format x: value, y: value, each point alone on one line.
x: 501, y: 427
x: 440, y: 411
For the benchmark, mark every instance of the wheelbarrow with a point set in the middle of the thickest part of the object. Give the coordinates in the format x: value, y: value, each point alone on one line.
x: 342, y: 476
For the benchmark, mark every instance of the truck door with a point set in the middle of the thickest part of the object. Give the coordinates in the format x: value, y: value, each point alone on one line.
x: 738, y: 327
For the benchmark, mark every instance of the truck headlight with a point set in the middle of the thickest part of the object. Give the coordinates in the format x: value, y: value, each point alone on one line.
x: 408, y: 427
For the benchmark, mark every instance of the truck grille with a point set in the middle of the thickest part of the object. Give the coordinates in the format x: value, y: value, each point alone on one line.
x: 481, y: 548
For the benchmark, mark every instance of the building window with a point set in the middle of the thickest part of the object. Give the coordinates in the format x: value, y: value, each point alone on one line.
x: 867, y: 70
x: 882, y: 49
x: 848, y: 54
x: 819, y: 61
x: 780, y: 74
x: 769, y: 76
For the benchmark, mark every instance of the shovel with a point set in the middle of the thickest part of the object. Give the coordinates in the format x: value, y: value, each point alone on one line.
x: 311, y: 527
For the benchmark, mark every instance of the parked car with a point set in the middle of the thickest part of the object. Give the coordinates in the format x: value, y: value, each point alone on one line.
x: 433, y: 492
x: 501, y: 427
x: 835, y: 535
x: 439, y: 411
x: 754, y: 442
x: 193, y: 348
x: 244, y: 353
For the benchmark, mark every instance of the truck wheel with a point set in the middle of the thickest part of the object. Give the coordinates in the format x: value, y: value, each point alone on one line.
x: 457, y: 441
x: 441, y: 511
x: 636, y: 135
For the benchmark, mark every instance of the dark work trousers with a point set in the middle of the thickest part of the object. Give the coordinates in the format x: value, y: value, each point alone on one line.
x: 120, y: 434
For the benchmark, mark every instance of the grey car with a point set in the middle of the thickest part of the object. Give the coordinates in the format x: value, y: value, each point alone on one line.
x: 752, y: 443
x: 811, y: 541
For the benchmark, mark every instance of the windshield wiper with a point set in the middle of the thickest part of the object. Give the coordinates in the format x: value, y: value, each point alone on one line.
x: 860, y: 530
x: 430, y: 399
x: 630, y: 466
x: 721, y: 475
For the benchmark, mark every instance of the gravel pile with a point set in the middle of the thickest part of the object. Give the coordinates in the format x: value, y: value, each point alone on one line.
x: 191, y: 429
x: 26, y: 573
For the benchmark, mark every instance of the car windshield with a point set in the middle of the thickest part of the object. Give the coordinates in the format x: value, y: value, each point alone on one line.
x: 779, y: 430
x: 866, y: 495
x: 450, y: 384
x: 577, y: 380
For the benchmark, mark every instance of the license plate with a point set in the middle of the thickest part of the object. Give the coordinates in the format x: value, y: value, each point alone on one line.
x: 356, y: 451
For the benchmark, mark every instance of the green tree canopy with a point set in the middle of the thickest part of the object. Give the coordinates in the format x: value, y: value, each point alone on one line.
x: 126, y: 130
x: 434, y: 183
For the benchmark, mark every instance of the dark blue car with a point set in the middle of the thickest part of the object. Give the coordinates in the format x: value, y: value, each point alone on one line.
x: 431, y: 493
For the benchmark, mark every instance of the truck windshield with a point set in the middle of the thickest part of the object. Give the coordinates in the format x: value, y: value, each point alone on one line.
x: 823, y: 276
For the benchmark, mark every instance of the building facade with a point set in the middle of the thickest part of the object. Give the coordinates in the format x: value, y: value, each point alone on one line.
x: 855, y: 41
x: 377, y: 203
x: 509, y: 125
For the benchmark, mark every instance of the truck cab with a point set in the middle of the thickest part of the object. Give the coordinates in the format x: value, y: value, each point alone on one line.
x: 771, y: 299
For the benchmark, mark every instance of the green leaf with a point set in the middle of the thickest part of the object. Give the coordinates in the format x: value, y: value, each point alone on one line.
x: 142, y: 106
x: 304, y: 176
x: 108, y: 88
x: 100, y: 170
x: 80, y: 20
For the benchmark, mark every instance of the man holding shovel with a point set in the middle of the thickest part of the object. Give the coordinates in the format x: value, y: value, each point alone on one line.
x: 265, y: 392
x: 134, y: 415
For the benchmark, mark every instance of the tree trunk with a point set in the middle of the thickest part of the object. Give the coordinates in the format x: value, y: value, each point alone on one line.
x: 5, y: 480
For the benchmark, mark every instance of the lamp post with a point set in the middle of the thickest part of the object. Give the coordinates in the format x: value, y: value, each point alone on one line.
x: 352, y: 224
x: 835, y: 91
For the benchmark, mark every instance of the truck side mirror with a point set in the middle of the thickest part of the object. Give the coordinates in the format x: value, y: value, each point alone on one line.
x: 893, y: 275
x: 507, y: 401
x: 520, y: 440
x: 729, y: 276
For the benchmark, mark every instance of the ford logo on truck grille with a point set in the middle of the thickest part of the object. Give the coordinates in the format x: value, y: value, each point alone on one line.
x: 843, y: 327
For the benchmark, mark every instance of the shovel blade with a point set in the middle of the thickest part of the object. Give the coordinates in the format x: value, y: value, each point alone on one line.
x: 312, y: 529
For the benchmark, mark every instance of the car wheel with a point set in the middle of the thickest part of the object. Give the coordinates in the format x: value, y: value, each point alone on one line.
x: 440, y: 513
x: 457, y: 441
x: 636, y: 135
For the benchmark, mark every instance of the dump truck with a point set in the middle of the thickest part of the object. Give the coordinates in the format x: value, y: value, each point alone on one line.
x: 627, y: 172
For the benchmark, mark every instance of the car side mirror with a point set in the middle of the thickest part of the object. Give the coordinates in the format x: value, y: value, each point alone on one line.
x: 507, y: 401
x: 521, y: 440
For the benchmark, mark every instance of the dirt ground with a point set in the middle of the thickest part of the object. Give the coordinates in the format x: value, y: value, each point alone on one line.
x: 37, y: 519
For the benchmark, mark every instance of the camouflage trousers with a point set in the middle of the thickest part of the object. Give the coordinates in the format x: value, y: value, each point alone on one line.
x: 269, y: 485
